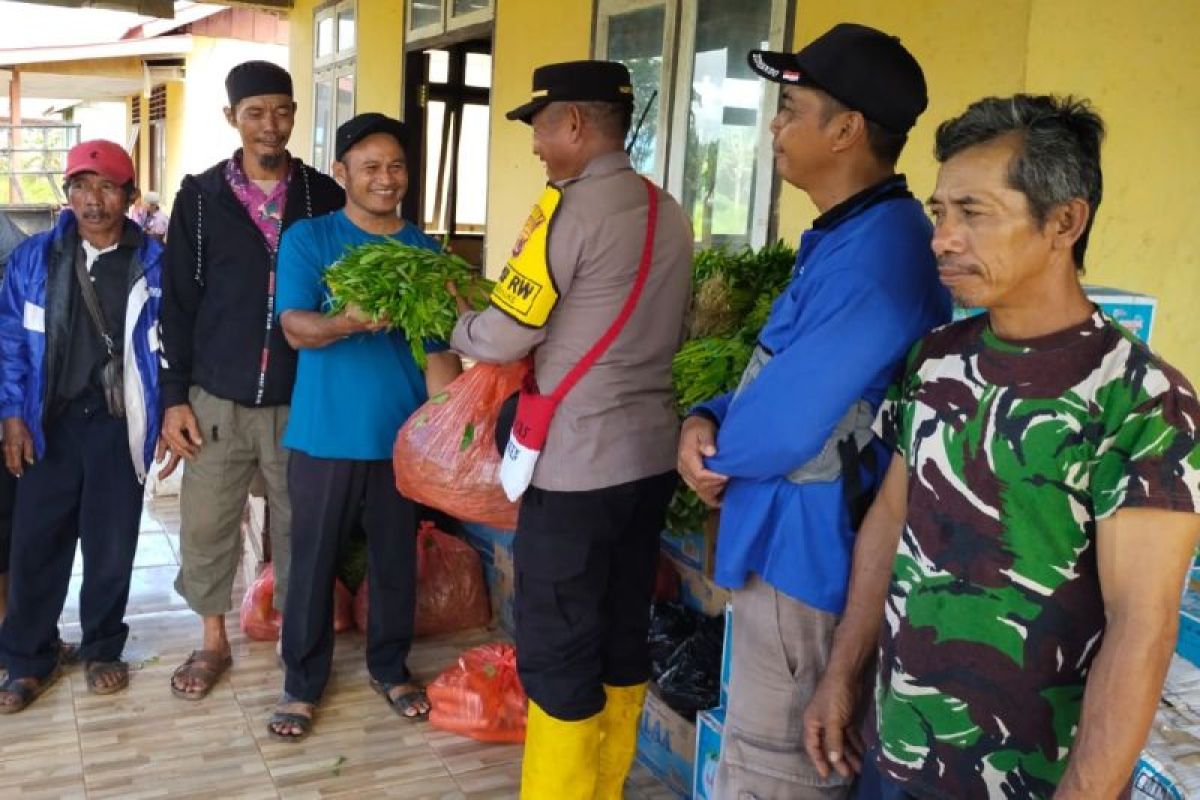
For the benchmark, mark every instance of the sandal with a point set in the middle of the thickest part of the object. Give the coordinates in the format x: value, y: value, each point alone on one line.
x: 95, y: 670
x: 206, y: 666
x: 302, y: 721
x: 406, y: 702
x: 68, y: 653
x: 26, y: 693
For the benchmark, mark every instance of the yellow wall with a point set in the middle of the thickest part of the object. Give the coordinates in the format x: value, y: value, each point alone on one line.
x: 379, y: 78
x: 562, y: 31
x: 176, y: 151
x: 965, y: 55
x: 1138, y: 62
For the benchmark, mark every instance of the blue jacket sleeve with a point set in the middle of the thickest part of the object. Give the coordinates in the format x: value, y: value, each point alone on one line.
x: 849, y: 337
x: 14, y: 344
x: 716, y: 408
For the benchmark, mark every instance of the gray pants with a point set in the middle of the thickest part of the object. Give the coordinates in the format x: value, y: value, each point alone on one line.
x: 238, y: 441
x: 780, y: 649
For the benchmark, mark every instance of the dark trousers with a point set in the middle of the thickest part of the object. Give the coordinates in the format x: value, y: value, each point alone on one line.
x: 84, y: 489
x: 328, y: 497
x: 8, y: 501
x: 585, y: 564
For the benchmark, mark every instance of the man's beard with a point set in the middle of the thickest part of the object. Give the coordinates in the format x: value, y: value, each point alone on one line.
x: 271, y: 162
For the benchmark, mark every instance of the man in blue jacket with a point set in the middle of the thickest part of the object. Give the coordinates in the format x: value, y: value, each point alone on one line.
x: 789, y: 456
x: 79, y: 403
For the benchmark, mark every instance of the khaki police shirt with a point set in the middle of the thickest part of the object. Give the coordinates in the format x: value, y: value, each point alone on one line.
x: 618, y: 424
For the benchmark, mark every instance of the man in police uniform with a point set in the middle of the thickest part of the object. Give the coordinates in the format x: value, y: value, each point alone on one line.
x: 588, y: 533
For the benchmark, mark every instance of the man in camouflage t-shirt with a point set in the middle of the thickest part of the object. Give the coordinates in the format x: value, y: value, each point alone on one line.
x: 1031, y: 539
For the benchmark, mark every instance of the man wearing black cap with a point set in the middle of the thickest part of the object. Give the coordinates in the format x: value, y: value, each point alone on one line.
x: 588, y: 532
x: 356, y: 384
x: 226, y: 370
x: 789, y: 457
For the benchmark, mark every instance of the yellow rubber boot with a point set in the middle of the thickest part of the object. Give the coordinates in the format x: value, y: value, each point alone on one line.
x: 560, y: 757
x: 618, y: 738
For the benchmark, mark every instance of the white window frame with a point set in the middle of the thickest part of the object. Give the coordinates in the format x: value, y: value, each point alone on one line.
x: 678, y: 55
x: 666, y: 93
x: 449, y: 21
x: 338, y: 64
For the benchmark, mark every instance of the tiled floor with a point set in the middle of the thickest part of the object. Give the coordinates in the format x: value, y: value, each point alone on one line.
x: 144, y: 743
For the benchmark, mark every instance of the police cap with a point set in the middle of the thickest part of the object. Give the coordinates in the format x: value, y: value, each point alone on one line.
x: 579, y: 81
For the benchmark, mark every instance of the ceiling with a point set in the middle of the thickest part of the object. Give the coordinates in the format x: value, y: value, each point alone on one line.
x: 152, y: 8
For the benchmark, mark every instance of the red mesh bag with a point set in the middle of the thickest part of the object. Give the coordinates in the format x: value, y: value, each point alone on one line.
x: 481, y: 696
x: 445, y: 455
x: 261, y: 621
x: 451, y: 592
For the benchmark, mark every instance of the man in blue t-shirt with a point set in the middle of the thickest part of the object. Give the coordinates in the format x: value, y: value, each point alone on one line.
x: 356, y: 384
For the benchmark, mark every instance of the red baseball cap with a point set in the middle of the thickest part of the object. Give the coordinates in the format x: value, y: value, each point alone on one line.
x: 106, y: 159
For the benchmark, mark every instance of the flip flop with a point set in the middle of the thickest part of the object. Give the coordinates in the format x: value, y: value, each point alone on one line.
x: 207, y: 666
x: 301, y: 721
x: 405, y: 702
x: 25, y: 693
x: 95, y: 670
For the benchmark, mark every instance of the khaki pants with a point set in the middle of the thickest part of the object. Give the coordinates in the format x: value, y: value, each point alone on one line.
x: 238, y: 441
x: 780, y: 649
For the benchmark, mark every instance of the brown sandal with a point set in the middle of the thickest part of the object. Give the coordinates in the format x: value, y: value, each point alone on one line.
x: 206, y: 666
x: 95, y: 670
x: 26, y: 693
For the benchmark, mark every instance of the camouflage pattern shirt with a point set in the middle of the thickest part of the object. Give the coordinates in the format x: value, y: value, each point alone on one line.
x: 994, y: 610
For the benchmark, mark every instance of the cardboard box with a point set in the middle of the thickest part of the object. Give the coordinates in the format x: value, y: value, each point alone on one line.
x: 696, y: 550
x: 666, y: 745
x: 1188, y: 644
x: 495, y: 548
x: 727, y: 655
x: 698, y: 592
x: 1133, y: 310
x: 710, y: 727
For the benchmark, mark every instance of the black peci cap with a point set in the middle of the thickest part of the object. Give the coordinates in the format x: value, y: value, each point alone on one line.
x: 863, y: 68
x: 581, y: 81
x: 359, y: 127
x: 254, y: 78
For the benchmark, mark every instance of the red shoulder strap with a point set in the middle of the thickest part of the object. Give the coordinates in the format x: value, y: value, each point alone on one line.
x: 604, y: 342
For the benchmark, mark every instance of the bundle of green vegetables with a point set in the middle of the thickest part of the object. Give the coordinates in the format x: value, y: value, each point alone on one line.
x: 406, y: 286
x: 732, y: 297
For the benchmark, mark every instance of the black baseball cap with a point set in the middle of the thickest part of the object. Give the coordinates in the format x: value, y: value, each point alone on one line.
x: 357, y: 128
x: 863, y: 68
x: 581, y: 81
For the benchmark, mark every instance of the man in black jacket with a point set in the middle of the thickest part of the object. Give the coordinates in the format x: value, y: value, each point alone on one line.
x: 227, y: 371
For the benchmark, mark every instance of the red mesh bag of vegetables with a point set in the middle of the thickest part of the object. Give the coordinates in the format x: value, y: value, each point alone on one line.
x: 445, y: 455
x: 481, y: 696
x: 451, y: 592
x: 260, y: 620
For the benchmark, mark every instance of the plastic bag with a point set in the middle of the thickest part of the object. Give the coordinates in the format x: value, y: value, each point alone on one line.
x: 260, y: 620
x: 691, y: 681
x: 481, y: 696
x: 451, y: 592
x: 445, y: 454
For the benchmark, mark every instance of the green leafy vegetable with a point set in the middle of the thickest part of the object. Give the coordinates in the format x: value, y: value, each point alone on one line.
x: 406, y: 286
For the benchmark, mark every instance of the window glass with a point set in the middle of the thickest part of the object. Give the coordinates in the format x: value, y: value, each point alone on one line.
x: 439, y: 66
x: 462, y: 7
x: 435, y: 121
x: 345, y: 29
x: 322, y: 113
x: 471, y: 198
x: 635, y: 39
x: 724, y: 120
x: 479, y: 70
x: 422, y: 13
x: 345, y: 98
x: 324, y: 36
